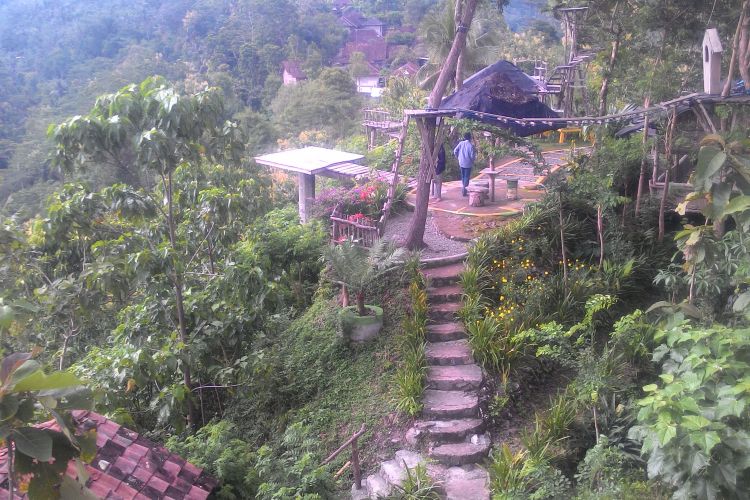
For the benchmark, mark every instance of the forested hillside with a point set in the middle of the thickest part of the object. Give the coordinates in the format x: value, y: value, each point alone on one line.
x: 582, y: 334
x: 57, y: 57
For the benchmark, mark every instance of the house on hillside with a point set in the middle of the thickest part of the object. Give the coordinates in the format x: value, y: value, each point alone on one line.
x: 126, y: 465
x: 353, y: 20
x: 374, y: 48
x: 292, y: 73
x: 369, y: 81
x: 374, y: 54
x: 407, y: 70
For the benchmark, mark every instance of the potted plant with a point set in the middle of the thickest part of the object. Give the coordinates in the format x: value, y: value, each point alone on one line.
x: 356, y: 268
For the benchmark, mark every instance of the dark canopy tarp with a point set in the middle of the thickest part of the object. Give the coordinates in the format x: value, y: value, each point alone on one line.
x: 502, y: 89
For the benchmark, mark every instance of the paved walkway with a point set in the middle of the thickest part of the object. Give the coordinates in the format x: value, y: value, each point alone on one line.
x: 457, y: 220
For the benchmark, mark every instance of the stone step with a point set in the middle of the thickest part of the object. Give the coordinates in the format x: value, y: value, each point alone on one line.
x: 450, y: 404
x: 469, y: 482
x: 454, y: 378
x: 448, y: 293
x: 445, y: 275
x: 453, y: 352
x: 450, y: 431
x: 444, y: 312
x: 445, y: 332
x: 394, y: 471
x: 375, y: 486
x: 457, y: 454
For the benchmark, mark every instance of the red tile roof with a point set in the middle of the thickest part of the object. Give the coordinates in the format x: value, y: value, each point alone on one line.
x: 375, y: 50
x: 128, y: 465
x: 408, y: 70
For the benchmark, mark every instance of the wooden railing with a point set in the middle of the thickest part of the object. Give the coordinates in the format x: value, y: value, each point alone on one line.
x: 379, y: 118
x: 364, y: 233
x: 355, y: 457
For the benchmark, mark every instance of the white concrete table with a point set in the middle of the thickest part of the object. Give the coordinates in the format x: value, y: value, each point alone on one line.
x: 308, y: 162
x: 491, y: 174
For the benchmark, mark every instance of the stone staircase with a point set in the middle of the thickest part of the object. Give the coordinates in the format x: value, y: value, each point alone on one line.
x: 450, y: 432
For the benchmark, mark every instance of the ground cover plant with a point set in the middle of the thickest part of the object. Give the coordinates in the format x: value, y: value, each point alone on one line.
x: 541, y: 293
x: 412, y: 366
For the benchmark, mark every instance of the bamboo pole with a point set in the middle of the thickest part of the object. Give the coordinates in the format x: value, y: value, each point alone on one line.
x: 642, y: 176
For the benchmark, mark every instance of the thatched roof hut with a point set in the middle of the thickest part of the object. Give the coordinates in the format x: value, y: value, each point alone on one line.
x: 501, y: 89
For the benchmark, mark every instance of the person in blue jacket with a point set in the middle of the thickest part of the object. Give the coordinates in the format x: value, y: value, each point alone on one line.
x: 466, y: 154
x: 437, y: 180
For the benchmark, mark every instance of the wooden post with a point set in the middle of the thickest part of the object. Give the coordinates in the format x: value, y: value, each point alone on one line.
x: 355, y: 465
x: 642, y: 175
x: 355, y: 456
x: 663, y: 206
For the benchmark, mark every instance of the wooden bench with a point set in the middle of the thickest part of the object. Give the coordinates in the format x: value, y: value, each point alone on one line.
x: 569, y: 130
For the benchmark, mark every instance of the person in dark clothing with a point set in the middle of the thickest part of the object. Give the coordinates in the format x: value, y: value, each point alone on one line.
x: 437, y: 180
x: 466, y: 155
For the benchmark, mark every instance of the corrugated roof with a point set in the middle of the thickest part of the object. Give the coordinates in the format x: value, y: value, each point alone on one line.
x: 127, y: 465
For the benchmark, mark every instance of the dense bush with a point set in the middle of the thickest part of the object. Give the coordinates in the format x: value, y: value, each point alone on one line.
x: 365, y: 200
x: 694, y: 422
x: 290, y: 470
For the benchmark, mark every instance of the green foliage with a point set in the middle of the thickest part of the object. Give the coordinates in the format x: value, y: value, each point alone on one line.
x: 693, y: 423
x: 607, y: 472
x: 358, y: 267
x: 329, y: 103
x: 287, y: 252
x: 412, y: 369
x: 417, y: 485
x: 39, y: 457
x: 519, y: 475
x: 491, y: 346
x: 149, y: 127
x: 216, y: 448
x: 268, y: 473
x: 472, y: 308
x: 472, y: 280
x: 291, y: 470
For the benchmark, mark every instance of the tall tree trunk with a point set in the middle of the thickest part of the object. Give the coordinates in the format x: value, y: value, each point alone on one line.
x: 743, y: 56
x: 642, y: 176
x: 459, y: 81
x: 179, y: 303
x: 427, y: 131
x: 418, y: 220
x: 604, y: 90
x: 600, y: 232
x: 563, y: 252
x: 735, y: 49
x: 663, y: 205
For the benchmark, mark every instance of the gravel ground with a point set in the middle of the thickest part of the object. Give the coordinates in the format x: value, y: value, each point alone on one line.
x: 438, y: 245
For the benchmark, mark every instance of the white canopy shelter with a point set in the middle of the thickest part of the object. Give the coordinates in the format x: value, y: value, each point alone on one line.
x: 309, y: 162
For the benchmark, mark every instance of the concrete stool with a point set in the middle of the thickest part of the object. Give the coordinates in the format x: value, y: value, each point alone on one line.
x: 512, y: 190
x: 480, y: 183
x: 477, y: 195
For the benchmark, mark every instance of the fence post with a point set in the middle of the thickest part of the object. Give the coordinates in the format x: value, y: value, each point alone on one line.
x: 355, y: 465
